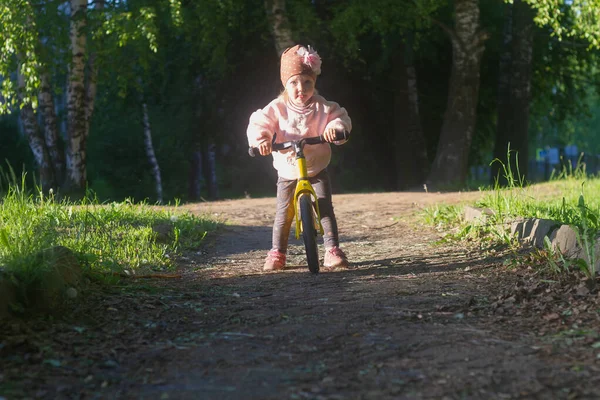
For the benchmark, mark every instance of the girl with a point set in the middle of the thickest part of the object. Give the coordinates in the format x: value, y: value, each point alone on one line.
x: 300, y: 112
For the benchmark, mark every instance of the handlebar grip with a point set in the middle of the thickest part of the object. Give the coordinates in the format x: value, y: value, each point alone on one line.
x: 342, y: 135
x: 253, y: 151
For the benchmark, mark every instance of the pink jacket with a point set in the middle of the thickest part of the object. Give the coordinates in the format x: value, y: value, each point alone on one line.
x: 292, y: 123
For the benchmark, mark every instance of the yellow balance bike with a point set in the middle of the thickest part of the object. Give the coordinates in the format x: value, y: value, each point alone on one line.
x: 306, y: 207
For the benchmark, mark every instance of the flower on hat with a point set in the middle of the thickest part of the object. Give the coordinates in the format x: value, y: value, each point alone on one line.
x: 311, y: 58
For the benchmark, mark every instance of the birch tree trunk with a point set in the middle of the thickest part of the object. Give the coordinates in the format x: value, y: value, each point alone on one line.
x: 50, y: 126
x: 451, y: 161
x: 280, y: 25
x: 38, y: 148
x: 31, y: 128
x: 151, y: 155
x: 514, y: 92
x: 36, y: 142
x: 77, y: 112
x: 410, y: 150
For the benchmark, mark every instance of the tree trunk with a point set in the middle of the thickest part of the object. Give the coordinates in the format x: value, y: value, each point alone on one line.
x: 38, y: 148
x: 213, y: 189
x: 280, y: 25
x: 514, y: 94
x: 151, y: 155
x: 410, y: 150
x: 36, y: 141
x: 50, y: 123
x: 196, y: 177
x: 76, y: 101
x: 451, y: 161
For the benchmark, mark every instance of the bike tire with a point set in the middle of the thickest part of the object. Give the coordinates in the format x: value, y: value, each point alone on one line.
x: 309, y: 233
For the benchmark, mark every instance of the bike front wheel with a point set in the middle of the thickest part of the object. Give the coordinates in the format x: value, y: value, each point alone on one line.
x: 309, y: 233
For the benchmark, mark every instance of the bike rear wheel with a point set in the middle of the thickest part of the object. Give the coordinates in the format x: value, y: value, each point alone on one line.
x: 309, y: 233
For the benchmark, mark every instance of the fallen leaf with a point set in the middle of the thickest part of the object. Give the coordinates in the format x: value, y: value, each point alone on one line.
x: 582, y: 290
x: 551, y: 317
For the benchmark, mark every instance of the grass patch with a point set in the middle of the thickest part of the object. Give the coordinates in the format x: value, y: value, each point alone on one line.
x: 570, y: 201
x: 571, y: 198
x: 111, y: 237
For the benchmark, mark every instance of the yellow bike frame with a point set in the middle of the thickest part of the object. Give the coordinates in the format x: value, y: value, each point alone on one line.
x: 304, y: 187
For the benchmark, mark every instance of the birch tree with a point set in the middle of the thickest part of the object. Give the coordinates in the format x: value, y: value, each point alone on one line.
x: 280, y: 25
x: 19, y: 54
x: 36, y: 141
x: 151, y: 154
x: 572, y: 19
x: 25, y: 41
x: 77, y: 101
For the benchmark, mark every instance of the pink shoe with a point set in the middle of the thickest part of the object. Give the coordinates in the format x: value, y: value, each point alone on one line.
x: 335, y: 258
x: 275, y: 261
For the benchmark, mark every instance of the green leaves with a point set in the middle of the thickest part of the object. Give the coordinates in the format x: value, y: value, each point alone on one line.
x: 18, y: 52
x: 124, y: 27
x: 176, y: 15
x: 575, y: 18
x: 36, y: 38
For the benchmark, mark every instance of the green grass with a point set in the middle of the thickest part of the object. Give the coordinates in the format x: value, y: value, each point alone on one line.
x: 104, y: 237
x: 572, y: 201
x: 571, y: 197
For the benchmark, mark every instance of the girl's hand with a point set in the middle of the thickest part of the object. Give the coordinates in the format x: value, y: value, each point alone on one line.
x: 329, y: 135
x: 265, y: 148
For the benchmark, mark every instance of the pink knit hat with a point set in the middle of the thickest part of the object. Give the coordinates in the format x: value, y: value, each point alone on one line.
x: 298, y: 60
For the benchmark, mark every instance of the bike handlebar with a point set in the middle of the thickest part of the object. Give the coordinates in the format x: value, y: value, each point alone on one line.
x: 345, y: 135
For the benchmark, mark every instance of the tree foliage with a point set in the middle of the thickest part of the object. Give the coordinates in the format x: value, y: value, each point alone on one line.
x: 19, y: 41
x: 570, y: 19
x: 203, y: 67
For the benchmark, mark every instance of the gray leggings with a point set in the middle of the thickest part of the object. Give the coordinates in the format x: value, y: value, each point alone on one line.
x: 284, y: 216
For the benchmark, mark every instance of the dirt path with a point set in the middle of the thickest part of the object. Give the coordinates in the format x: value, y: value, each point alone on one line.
x: 411, y: 320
